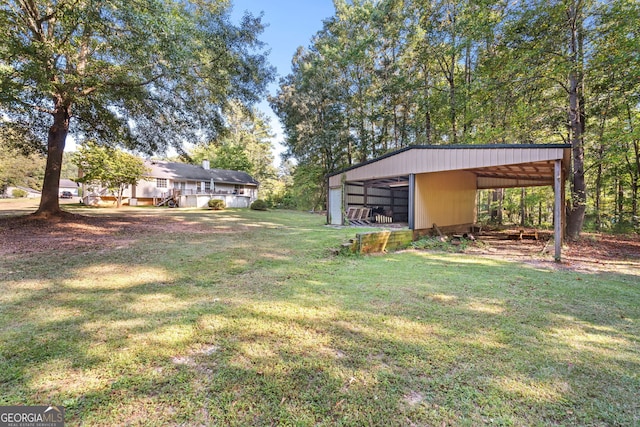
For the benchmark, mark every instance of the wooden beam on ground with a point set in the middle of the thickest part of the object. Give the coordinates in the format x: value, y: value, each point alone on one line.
x: 521, y: 235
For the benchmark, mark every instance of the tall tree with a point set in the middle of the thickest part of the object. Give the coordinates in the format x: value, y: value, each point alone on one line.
x: 109, y: 168
x: 141, y: 74
x: 615, y: 71
x: 311, y: 107
x: 247, y: 139
x: 543, y: 48
x: 246, y: 146
x: 575, y: 11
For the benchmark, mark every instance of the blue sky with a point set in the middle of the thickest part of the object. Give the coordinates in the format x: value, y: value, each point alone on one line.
x: 290, y: 23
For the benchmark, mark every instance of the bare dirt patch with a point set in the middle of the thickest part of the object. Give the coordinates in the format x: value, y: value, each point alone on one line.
x: 27, y: 234
x: 592, y: 252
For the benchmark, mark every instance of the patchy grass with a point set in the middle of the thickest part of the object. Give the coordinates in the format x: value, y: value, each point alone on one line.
x: 242, y: 317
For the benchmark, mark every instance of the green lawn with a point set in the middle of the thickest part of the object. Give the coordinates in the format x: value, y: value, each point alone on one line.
x: 252, y: 320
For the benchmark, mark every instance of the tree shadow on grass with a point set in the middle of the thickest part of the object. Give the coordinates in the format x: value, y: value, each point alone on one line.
x: 425, y: 340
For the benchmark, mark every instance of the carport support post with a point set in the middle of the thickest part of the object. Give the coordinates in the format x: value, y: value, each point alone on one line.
x: 557, y: 214
x: 365, y: 194
x: 412, y: 201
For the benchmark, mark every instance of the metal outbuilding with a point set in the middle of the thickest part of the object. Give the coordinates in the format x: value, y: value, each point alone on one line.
x: 427, y: 185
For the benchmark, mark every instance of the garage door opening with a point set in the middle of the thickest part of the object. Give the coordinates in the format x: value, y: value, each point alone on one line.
x: 379, y: 201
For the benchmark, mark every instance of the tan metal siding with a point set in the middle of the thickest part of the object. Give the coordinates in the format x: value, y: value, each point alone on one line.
x: 445, y: 198
x: 335, y: 180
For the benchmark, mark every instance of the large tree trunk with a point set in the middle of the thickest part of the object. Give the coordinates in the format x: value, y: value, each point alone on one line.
x: 575, y: 217
x: 452, y: 104
x: 427, y: 113
x: 49, y: 203
x: 495, y: 205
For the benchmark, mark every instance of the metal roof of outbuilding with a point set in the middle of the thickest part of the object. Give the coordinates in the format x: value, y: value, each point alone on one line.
x: 496, y: 165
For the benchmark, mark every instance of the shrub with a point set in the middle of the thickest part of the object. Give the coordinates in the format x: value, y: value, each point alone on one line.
x: 216, y: 204
x: 18, y: 193
x: 259, y: 205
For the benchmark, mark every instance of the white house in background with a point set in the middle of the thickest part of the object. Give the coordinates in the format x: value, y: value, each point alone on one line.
x: 68, y: 185
x: 185, y: 185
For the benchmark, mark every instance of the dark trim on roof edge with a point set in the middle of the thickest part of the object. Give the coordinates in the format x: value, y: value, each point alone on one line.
x: 170, y: 165
x: 453, y: 147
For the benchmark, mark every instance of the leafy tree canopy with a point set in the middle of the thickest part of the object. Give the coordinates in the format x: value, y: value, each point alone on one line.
x: 232, y: 157
x: 110, y: 168
x: 144, y: 75
x: 16, y: 168
x: 245, y: 146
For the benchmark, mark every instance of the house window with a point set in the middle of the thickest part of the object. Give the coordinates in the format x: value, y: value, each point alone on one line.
x: 207, y: 186
x: 161, y: 182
